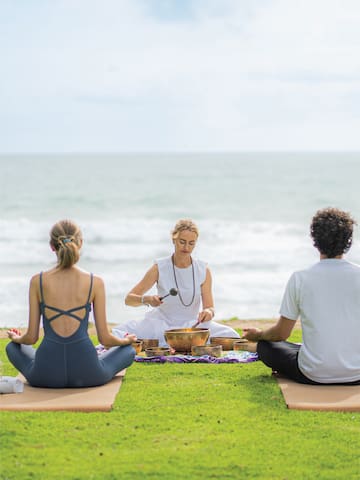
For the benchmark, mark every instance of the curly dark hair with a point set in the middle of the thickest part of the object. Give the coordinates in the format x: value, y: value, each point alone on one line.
x: 332, y: 231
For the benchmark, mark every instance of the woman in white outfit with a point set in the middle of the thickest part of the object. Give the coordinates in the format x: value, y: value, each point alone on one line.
x: 193, y: 302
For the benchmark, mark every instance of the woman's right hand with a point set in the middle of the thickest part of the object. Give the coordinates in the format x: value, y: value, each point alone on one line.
x: 14, y: 334
x: 153, y: 300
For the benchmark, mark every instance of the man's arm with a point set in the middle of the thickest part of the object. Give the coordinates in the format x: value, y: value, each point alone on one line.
x: 278, y: 332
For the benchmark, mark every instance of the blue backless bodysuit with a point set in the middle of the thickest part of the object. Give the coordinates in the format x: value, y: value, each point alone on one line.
x: 71, y: 361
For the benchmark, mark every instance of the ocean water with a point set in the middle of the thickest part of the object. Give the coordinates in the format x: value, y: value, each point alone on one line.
x: 253, y: 212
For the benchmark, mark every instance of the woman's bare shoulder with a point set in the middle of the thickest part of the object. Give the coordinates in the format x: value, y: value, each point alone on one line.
x: 97, y: 279
x: 154, y: 268
x: 35, y: 279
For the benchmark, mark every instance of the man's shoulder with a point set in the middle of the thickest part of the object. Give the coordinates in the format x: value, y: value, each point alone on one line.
x: 351, y: 270
x: 323, y: 266
x: 299, y: 275
x: 353, y: 265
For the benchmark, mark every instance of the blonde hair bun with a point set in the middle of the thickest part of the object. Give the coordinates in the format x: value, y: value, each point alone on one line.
x: 66, y: 240
x: 184, y: 224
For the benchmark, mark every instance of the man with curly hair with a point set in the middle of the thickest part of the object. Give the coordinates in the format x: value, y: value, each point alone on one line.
x: 326, y: 297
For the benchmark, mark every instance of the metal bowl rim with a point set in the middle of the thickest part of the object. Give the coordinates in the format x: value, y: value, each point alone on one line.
x: 187, y: 330
x: 226, y: 338
x: 208, y: 346
x: 157, y: 348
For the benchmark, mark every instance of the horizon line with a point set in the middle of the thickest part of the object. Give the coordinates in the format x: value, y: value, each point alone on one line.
x: 176, y: 152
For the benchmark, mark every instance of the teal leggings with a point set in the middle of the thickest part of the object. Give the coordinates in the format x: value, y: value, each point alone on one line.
x: 68, y: 364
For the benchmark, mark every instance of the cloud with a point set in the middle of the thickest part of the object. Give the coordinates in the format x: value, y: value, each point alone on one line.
x: 148, y: 75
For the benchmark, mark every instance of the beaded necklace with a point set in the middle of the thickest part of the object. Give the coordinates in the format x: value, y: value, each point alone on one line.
x: 177, y: 286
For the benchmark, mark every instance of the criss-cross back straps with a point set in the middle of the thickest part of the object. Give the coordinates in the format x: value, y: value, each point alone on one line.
x: 70, y: 312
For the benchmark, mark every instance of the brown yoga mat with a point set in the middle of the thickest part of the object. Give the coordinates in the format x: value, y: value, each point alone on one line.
x: 341, y: 398
x: 92, y: 399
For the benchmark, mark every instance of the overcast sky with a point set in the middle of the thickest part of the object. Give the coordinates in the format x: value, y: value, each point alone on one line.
x: 179, y: 75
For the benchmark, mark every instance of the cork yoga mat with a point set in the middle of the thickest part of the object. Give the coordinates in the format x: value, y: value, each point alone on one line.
x: 341, y: 398
x: 93, y: 399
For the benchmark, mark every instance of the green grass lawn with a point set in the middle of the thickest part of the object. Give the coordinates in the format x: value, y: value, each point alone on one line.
x: 187, y: 421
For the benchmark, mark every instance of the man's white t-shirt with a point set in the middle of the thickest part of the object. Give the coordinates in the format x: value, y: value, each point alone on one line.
x: 326, y: 296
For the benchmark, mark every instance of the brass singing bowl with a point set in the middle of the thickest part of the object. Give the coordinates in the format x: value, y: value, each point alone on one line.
x: 212, y: 350
x: 157, y: 351
x: 149, y: 342
x: 137, y: 345
x: 241, y: 344
x: 182, y: 339
x: 244, y: 344
x: 227, y: 343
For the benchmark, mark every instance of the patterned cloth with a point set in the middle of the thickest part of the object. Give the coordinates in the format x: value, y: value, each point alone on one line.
x: 231, y: 357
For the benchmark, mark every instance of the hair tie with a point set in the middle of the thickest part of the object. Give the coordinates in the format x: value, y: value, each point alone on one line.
x: 63, y: 241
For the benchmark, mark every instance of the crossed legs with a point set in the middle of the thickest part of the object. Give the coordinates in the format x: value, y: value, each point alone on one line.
x: 282, y: 357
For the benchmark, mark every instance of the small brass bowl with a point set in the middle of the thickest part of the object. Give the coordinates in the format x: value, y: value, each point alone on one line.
x: 243, y: 344
x: 149, y: 342
x: 182, y: 339
x: 157, y: 351
x: 212, y: 350
x: 227, y: 343
x: 137, y: 345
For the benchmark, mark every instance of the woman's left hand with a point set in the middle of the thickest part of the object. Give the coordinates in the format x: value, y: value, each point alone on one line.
x: 206, y: 315
x: 131, y: 337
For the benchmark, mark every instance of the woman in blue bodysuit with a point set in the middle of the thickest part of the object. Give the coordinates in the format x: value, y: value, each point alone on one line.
x: 63, y: 297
